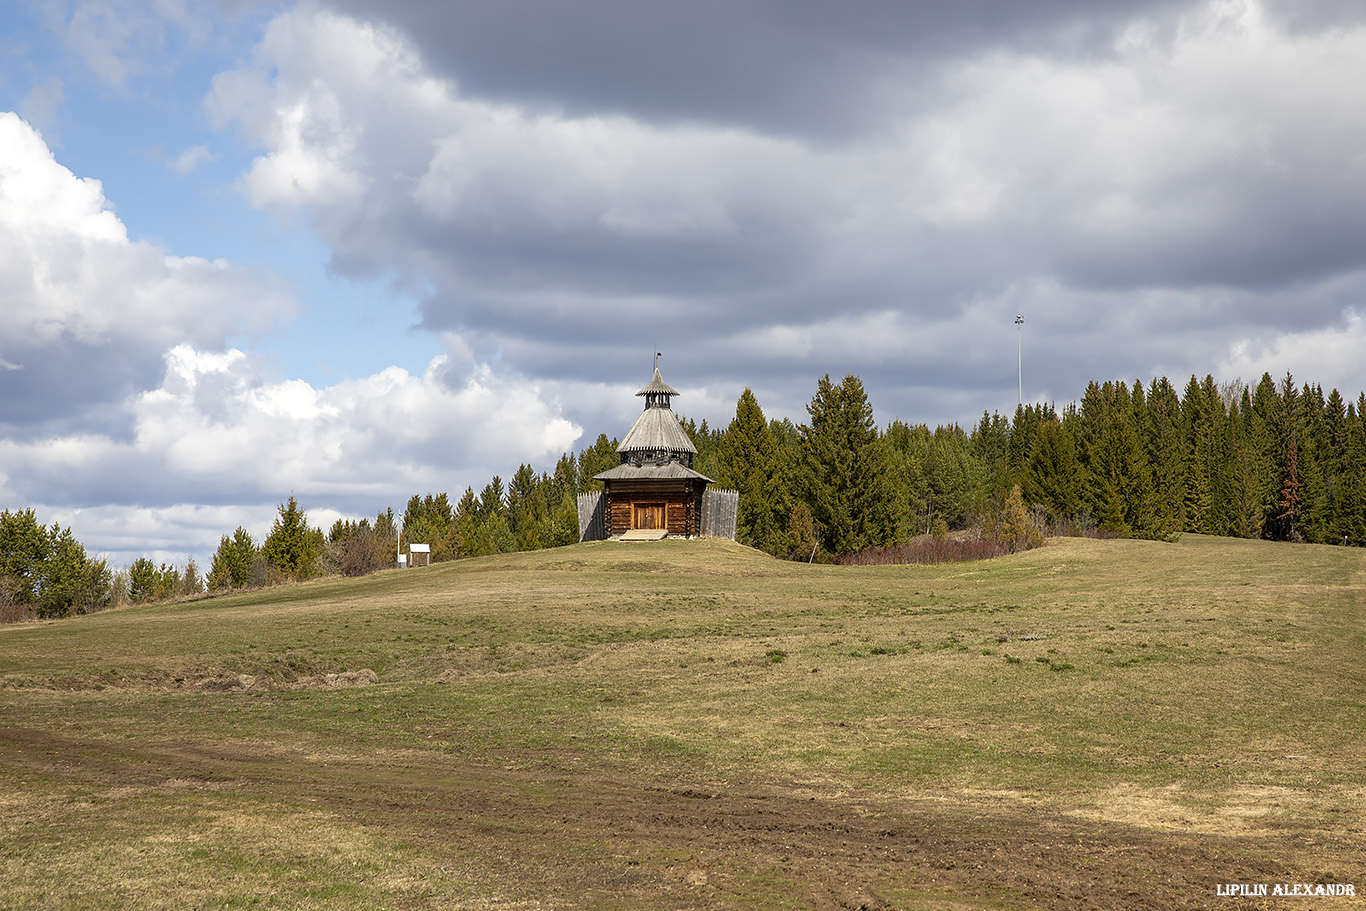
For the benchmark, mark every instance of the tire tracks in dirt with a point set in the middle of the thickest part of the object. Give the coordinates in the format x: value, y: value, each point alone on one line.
x: 586, y: 838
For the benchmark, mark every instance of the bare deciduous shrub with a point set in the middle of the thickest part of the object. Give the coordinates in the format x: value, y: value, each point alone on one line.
x: 12, y: 609
x: 358, y: 554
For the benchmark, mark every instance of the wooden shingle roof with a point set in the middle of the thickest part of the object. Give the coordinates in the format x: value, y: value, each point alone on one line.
x: 657, y: 429
x: 657, y: 386
x: 670, y: 472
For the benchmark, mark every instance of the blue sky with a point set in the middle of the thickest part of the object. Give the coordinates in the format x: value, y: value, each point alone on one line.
x: 170, y: 176
x: 352, y: 250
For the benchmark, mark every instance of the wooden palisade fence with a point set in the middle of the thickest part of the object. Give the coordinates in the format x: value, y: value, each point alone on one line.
x: 592, y: 517
x: 719, y: 511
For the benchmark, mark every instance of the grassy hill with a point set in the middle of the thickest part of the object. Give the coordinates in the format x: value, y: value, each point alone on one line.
x: 1116, y: 724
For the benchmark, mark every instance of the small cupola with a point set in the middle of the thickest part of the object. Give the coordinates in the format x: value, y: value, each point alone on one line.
x: 657, y: 392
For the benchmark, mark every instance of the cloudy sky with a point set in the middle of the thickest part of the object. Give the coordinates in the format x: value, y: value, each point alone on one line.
x: 353, y: 250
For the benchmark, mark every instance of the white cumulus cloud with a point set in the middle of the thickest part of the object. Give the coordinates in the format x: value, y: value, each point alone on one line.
x: 123, y: 394
x: 216, y: 432
x: 88, y: 311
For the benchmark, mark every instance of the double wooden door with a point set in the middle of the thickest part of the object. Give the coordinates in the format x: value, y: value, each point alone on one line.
x: 647, y: 515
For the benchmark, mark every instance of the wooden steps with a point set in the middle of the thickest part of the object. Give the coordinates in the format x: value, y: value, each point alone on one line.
x: 644, y: 534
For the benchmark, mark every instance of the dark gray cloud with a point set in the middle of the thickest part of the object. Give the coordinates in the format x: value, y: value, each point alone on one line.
x: 805, y: 68
x: 51, y: 389
x: 1158, y: 186
x: 764, y: 191
x: 1308, y: 16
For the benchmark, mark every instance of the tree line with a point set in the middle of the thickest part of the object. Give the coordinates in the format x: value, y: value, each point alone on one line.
x: 1274, y: 460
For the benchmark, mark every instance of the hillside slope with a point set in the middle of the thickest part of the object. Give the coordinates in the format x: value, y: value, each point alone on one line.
x: 694, y: 724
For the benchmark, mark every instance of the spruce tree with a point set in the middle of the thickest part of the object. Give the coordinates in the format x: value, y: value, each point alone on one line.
x: 1241, y: 494
x: 1017, y: 528
x: 1025, y: 425
x: 847, y: 474
x: 596, y: 459
x: 958, y: 481
x: 463, y: 525
x: 1052, y: 474
x: 909, y: 447
x: 1333, y: 444
x: 1201, y: 419
x: 1290, y: 506
x: 747, y: 461
x: 232, y: 562
x: 190, y: 582
x: 991, y: 447
x: 492, y: 499
x: 803, y: 538
x: 293, y: 548
x: 527, y: 509
x: 427, y: 520
x: 142, y: 580
x: 1267, y: 438
x: 1165, y: 435
x: 1353, y: 482
x: 1120, y: 490
x: 565, y: 480
x: 1312, y: 456
x: 565, y: 522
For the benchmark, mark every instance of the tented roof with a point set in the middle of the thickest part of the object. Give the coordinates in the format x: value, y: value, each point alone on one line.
x: 657, y: 429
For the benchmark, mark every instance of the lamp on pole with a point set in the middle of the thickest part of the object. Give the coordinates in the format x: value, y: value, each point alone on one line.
x: 1019, y: 357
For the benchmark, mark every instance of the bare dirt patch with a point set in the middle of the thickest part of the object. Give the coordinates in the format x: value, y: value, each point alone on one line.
x: 609, y: 838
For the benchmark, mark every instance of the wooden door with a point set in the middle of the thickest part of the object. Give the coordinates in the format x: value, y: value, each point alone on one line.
x: 648, y: 515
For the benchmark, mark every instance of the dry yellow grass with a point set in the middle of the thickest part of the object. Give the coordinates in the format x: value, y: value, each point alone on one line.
x: 1207, y: 693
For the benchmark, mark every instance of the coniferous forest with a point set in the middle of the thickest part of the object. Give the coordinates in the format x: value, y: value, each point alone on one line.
x: 1276, y: 460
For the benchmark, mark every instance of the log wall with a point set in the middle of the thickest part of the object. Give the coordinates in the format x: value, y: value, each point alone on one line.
x: 682, y: 505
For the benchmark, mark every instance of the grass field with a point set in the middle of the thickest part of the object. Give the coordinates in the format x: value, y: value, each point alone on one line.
x: 1108, y: 724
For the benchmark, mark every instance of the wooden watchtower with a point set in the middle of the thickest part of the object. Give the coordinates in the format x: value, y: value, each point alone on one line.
x: 654, y: 487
